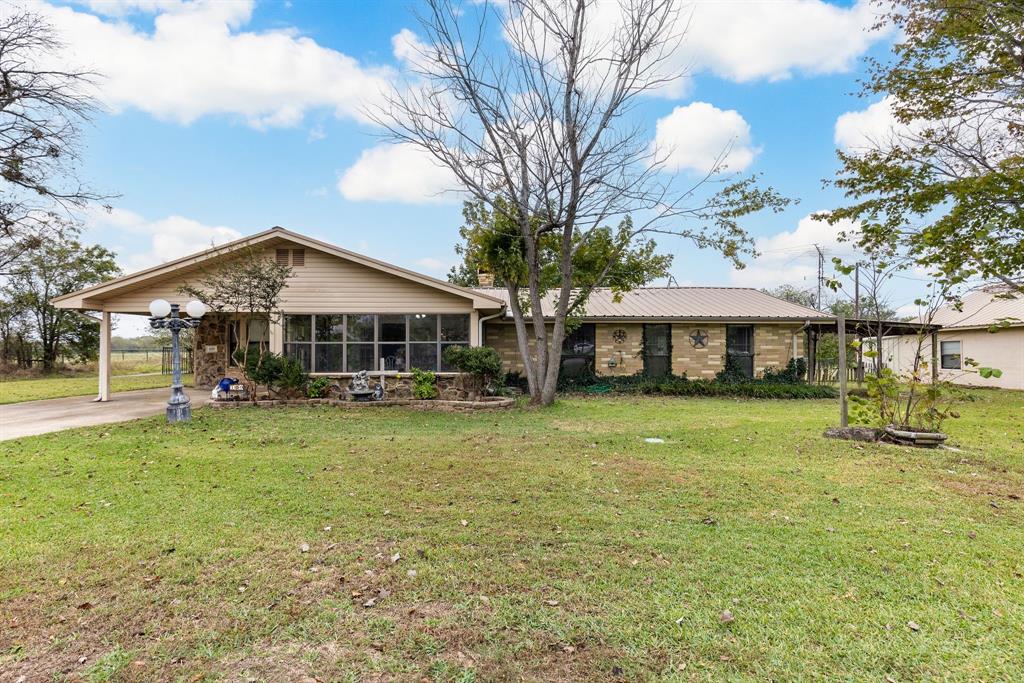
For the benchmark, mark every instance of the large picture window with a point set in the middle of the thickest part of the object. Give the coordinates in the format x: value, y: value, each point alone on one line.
x: 339, y: 342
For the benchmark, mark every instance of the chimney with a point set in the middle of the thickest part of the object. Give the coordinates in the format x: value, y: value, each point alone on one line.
x: 485, y: 279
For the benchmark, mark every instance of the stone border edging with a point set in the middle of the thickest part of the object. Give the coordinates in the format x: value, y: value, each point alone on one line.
x: 491, y: 403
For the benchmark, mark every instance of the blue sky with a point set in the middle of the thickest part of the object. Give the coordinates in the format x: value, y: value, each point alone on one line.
x: 225, y: 119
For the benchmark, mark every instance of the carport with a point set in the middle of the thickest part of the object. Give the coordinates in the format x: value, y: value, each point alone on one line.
x: 864, y: 328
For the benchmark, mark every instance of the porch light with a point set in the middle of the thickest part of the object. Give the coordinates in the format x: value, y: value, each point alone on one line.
x: 159, y: 308
x: 165, y: 317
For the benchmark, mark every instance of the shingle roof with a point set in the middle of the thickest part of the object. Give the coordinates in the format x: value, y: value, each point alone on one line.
x: 981, y: 309
x: 683, y: 302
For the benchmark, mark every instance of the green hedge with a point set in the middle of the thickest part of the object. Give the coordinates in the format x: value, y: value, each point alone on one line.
x: 674, y: 385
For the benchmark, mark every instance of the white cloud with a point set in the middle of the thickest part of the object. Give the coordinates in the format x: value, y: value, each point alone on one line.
x: 749, y: 41
x: 789, y: 257
x: 859, y: 129
x: 397, y: 173
x: 700, y: 137
x: 197, y: 61
x: 746, y: 41
x: 166, y: 238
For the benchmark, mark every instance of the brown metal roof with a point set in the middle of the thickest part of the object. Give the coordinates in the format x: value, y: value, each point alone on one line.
x: 683, y: 302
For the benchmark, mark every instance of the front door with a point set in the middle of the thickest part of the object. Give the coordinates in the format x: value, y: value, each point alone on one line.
x: 657, y: 350
x: 739, y: 347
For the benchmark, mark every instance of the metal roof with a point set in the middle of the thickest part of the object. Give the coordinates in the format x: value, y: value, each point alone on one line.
x: 682, y: 302
x: 983, y: 308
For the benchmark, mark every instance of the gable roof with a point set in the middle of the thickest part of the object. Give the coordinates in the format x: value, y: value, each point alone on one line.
x: 712, y: 303
x: 155, y: 273
x: 982, y: 308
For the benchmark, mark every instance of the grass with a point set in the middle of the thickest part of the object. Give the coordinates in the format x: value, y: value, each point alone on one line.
x: 19, y: 390
x: 551, y: 545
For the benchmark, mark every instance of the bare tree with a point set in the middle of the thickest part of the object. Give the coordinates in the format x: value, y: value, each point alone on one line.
x: 535, y: 123
x: 41, y: 111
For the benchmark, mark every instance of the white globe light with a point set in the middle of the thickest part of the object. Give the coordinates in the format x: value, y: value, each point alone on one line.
x: 195, y: 309
x: 159, y: 308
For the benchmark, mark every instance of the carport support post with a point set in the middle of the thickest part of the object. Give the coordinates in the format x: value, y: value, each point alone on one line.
x: 104, y: 390
x: 844, y: 419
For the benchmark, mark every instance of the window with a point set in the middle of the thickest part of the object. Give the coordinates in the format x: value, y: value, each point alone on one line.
x: 578, y: 349
x: 338, y: 342
x: 950, y: 351
x: 739, y: 347
x: 258, y: 335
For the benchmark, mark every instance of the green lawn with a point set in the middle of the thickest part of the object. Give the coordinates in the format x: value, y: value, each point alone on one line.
x: 18, y: 390
x: 547, y: 545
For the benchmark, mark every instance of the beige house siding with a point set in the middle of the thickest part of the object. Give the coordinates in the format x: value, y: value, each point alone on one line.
x: 1003, y: 350
x: 325, y: 284
x: 773, y: 347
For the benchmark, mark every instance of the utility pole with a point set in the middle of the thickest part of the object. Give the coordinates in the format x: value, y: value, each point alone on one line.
x: 821, y: 272
x: 856, y: 292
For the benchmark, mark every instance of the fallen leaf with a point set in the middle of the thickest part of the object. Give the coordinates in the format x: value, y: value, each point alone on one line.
x: 551, y: 603
x: 912, y: 625
x: 85, y: 605
x: 304, y: 548
x: 726, y: 617
x: 464, y: 522
x: 396, y: 557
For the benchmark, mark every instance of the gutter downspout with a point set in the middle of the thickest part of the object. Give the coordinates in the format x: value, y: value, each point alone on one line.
x: 480, y: 325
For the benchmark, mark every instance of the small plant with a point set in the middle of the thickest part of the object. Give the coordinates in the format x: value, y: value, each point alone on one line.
x: 732, y: 373
x: 793, y: 373
x: 424, y: 384
x: 481, y: 363
x: 318, y: 387
x: 280, y: 374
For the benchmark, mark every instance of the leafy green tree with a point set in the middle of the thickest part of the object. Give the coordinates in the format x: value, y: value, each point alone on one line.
x: 946, y: 186
x: 51, y: 269
x: 795, y: 295
x: 493, y: 244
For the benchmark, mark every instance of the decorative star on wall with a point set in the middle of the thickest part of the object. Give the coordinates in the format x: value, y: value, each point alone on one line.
x: 698, y: 339
x: 619, y: 336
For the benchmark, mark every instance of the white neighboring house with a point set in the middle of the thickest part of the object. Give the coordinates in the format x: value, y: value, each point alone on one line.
x: 965, y: 335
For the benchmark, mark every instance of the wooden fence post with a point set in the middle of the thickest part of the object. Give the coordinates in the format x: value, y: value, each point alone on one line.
x: 844, y: 420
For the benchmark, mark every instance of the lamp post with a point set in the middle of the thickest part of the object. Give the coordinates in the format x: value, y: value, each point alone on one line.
x: 165, y: 317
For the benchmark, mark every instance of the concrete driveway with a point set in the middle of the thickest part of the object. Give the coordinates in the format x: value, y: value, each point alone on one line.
x: 53, y: 415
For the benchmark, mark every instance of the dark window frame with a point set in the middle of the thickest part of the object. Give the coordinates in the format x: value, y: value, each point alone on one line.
x: 440, y: 341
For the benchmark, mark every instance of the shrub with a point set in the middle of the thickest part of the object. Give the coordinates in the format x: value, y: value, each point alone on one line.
x: 280, y: 374
x: 675, y: 385
x: 481, y: 363
x: 318, y: 387
x: 732, y: 373
x: 793, y: 373
x: 424, y: 384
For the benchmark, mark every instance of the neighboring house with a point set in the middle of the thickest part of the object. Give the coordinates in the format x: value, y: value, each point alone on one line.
x: 344, y: 312
x: 965, y: 335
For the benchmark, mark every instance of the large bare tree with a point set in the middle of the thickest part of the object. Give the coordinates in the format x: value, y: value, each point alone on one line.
x: 42, y: 109
x: 531, y: 106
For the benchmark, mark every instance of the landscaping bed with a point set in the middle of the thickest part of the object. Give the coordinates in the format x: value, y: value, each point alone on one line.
x: 483, y: 403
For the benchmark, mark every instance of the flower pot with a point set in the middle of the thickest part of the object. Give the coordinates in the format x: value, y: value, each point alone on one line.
x: 910, y: 437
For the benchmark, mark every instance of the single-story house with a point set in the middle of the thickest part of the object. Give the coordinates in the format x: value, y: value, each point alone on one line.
x: 966, y: 334
x: 344, y: 312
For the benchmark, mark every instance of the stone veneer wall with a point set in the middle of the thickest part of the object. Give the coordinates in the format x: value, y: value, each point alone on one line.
x: 627, y: 355
x: 773, y: 347
x: 699, y: 363
x: 210, y: 366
